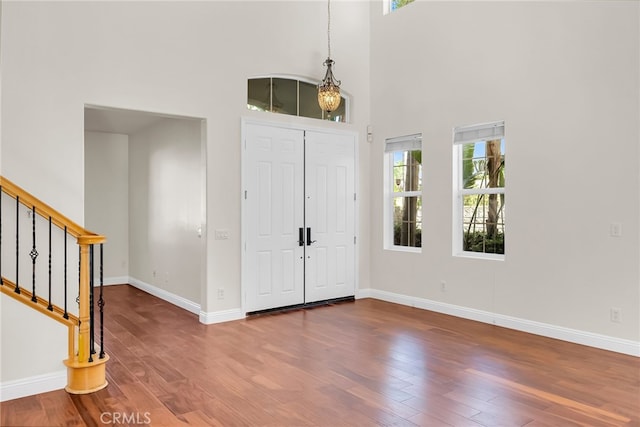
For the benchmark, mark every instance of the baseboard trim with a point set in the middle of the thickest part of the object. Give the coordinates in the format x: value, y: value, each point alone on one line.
x: 206, y: 318
x: 212, y: 317
x: 165, y: 295
x: 37, y: 384
x: 110, y: 281
x: 590, y: 339
x: 363, y: 293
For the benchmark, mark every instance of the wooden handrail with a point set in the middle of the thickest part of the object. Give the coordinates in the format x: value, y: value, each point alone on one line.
x: 46, y: 211
x: 56, y: 313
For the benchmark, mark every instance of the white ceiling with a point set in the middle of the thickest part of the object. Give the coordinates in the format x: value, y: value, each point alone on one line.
x: 118, y: 121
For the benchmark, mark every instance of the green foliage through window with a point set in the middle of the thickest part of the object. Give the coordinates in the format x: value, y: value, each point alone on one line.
x: 397, y: 4
x: 483, y: 202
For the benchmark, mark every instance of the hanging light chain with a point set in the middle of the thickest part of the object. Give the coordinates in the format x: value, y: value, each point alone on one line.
x: 329, y: 28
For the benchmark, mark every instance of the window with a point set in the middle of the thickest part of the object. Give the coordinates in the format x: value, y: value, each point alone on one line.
x: 391, y: 5
x: 479, y: 153
x: 284, y: 95
x: 403, y: 193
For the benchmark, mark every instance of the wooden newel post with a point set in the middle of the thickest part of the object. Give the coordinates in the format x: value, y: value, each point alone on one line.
x: 83, y: 312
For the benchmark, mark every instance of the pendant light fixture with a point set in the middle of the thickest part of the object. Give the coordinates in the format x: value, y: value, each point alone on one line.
x: 329, y: 89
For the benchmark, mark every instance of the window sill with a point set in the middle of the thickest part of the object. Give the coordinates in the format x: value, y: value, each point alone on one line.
x: 408, y: 249
x: 479, y: 255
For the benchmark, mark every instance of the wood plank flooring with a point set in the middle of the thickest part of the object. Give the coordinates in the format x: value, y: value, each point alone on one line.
x: 363, y: 363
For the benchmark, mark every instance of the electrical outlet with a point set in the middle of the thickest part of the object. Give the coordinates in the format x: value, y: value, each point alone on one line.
x: 615, y: 229
x: 616, y: 315
x: 220, y: 293
x: 443, y: 286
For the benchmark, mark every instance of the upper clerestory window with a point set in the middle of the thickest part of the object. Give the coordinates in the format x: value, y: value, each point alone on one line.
x: 392, y: 5
x: 290, y: 96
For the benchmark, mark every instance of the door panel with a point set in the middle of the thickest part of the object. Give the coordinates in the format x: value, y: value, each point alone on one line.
x: 330, y: 213
x: 274, y: 269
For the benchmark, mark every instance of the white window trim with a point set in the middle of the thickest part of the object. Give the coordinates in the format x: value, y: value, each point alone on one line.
x: 402, y: 143
x: 463, y: 135
x: 386, y: 7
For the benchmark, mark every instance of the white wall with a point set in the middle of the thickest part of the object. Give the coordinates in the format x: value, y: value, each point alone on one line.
x: 180, y: 58
x: 29, y: 349
x: 565, y: 78
x: 106, y: 167
x: 149, y: 183
x: 166, y: 206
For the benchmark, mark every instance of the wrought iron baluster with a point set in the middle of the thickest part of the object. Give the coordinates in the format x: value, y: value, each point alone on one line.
x: 33, y: 254
x: 79, y: 268
x: 78, y: 298
x: 66, y: 313
x: 50, y: 307
x: 101, y: 304
x: 92, y: 349
x: 17, y: 289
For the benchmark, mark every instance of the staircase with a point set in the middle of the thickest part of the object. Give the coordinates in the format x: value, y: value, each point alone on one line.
x: 50, y: 289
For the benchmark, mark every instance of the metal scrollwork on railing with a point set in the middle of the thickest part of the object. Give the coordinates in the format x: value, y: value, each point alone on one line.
x: 50, y: 306
x: 34, y: 255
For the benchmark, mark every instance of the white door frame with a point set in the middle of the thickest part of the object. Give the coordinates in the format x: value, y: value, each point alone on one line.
x: 244, y: 215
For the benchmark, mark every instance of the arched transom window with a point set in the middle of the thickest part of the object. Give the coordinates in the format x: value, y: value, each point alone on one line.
x: 293, y: 96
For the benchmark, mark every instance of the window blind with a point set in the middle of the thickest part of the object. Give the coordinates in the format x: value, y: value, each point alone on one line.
x: 403, y: 143
x: 480, y: 132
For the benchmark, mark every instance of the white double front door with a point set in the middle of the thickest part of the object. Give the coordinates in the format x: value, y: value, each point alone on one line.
x: 299, y: 216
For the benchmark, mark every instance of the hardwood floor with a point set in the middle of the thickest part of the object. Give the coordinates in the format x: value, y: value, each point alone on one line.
x: 363, y: 363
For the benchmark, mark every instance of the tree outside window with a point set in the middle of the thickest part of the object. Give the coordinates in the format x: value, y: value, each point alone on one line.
x: 397, y: 4
x: 483, y: 218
